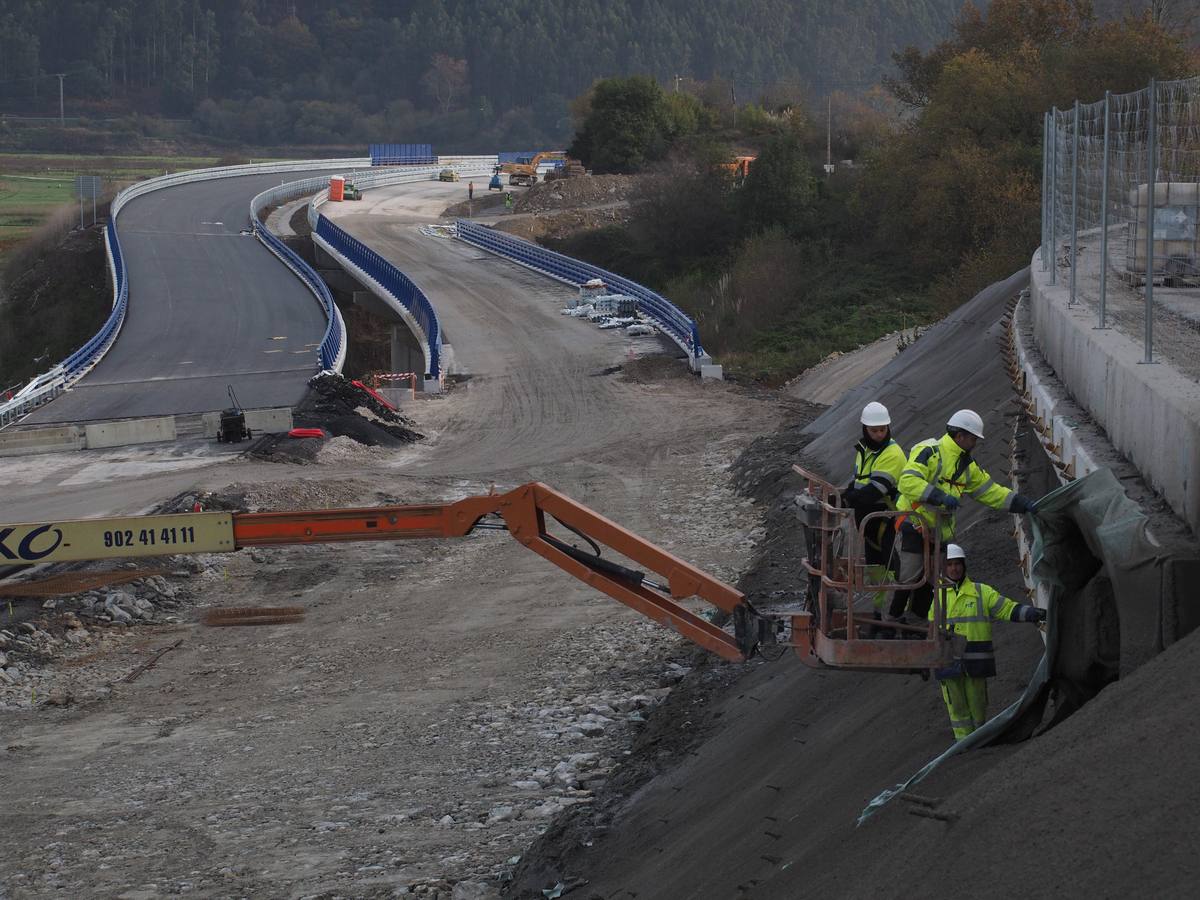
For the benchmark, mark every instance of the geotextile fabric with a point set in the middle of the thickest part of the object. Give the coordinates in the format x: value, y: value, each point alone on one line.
x: 1102, y: 570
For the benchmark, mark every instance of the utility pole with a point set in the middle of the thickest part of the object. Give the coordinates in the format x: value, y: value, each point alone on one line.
x: 62, y: 122
x: 829, y: 135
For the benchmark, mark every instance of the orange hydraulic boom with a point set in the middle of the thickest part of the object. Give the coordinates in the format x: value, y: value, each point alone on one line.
x: 828, y: 633
x: 522, y: 512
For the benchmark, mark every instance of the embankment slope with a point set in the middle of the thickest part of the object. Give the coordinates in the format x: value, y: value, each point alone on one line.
x: 766, y: 805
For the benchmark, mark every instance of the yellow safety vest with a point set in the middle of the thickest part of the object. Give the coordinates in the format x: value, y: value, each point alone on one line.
x: 945, y: 466
x: 970, y: 611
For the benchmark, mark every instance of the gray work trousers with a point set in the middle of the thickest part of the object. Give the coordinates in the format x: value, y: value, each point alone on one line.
x: 912, y: 557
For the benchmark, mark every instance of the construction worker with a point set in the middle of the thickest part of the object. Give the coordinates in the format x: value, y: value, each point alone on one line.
x: 508, y: 201
x: 939, y: 471
x: 970, y: 611
x: 878, y: 464
x: 470, y: 190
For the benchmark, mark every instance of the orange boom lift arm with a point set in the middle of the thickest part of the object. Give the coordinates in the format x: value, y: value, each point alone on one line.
x: 829, y: 633
x: 522, y: 512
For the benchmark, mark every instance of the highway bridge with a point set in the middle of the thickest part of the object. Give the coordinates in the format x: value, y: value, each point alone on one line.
x: 209, y: 306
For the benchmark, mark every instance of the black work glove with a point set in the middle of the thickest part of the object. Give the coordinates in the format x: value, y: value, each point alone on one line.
x: 850, y: 496
x: 941, y: 498
x: 1030, y: 614
x: 1022, y: 504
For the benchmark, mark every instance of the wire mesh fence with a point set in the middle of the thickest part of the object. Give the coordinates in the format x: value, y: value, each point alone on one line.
x: 1121, y: 206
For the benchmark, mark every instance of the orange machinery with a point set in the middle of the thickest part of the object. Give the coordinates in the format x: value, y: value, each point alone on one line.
x: 739, y: 167
x: 823, y: 636
x: 526, y: 173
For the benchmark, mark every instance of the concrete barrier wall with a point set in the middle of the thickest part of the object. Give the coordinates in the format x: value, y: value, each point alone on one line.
x: 131, y: 431
x: 41, y: 440
x: 260, y: 421
x: 1150, y: 412
x: 103, y: 435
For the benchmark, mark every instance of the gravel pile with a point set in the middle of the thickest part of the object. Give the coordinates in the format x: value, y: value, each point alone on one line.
x: 53, y: 659
x: 592, y: 190
x: 267, y: 496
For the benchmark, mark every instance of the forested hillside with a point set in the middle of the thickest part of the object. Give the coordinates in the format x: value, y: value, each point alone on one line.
x: 317, y: 71
x: 942, y: 195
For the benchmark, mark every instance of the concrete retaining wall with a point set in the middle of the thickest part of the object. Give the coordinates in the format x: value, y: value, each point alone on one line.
x: 276, y: 420
x: 130, y: 431
x: 1150, y: 412
x: 127, y: 432
x: 41, y: 440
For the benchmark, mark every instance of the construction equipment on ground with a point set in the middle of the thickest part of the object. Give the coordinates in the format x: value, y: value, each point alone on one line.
x: 447, y: 175
x: 571, y: 168
x: 739, y: 167
x: 824, y: 634
x: 232, y: 429
x: 351, y: 192
x: 495, y: 184
x: 526, y: 172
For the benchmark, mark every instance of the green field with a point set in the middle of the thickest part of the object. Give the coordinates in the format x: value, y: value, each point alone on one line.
x: 34, y: 185
x: 26, y: 201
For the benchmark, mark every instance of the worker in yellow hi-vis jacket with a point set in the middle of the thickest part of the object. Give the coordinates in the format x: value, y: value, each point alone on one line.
x: 878, y: 463
x: 938, y: 473
x: 971, y: 609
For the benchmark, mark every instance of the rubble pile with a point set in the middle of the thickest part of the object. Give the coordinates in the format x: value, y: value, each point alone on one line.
x: 265, y: 496
x: 340, y: 409
x: 333, y: 403
x: 75, y: 628
x: 552, y: 226
x: 567, y: 193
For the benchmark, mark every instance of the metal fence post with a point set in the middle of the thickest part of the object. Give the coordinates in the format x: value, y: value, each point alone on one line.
x: 1045, y: 184
x: 1104, y: 215
x: 1151, y: 176
x: 1074, y: 201
x: 1053, y: 194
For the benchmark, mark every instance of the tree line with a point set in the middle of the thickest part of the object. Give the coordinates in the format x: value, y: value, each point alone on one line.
x: 320, y: 70
x: 942, y: 198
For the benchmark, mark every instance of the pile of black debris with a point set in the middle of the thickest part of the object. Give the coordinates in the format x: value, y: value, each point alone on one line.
x: 339, y: 408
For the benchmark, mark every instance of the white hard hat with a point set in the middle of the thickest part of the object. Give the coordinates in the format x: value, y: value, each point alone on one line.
x: 967, y: 420
x: 875, y: 414
x: 953, y: 551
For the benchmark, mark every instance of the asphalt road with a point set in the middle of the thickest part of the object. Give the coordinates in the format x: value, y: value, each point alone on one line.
x: 209, y: 307
x: 241, y: 747
x: 536, y: 394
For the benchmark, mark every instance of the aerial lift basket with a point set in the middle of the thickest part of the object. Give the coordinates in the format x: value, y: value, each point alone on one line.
x: 837, y: 628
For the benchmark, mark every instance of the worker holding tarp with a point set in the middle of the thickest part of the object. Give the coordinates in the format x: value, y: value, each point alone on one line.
x: 971, y: 609
x: 878, y: 464
x: 938, y: 473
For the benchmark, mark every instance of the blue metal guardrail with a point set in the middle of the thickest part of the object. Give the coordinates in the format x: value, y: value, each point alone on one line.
x: 402, y: 155
x: 86, y: 355
x: 332, y: 339
x: 393, y: 281
x: 677, y: 324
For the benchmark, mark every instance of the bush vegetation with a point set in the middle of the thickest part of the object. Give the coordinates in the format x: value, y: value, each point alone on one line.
x: 943, y: 197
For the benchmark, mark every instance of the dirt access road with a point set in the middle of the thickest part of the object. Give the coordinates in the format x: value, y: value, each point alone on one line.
x: 441, y: 701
